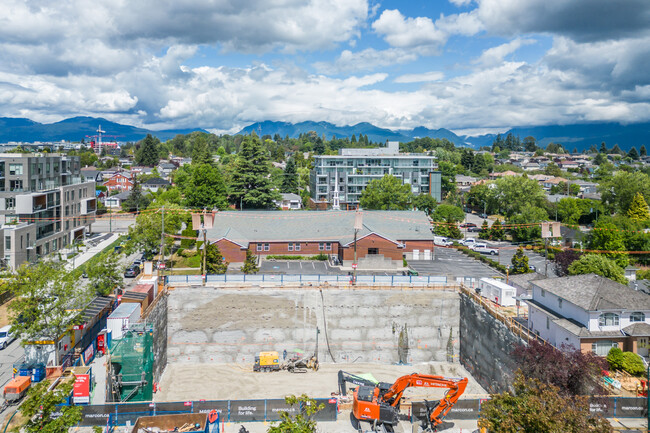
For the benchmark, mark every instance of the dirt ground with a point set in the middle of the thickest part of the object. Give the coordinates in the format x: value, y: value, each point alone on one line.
x: 182, y: 382
x: 4, y: 314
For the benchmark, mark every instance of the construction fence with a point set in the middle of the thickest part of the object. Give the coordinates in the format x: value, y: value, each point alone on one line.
x: 239, y: 411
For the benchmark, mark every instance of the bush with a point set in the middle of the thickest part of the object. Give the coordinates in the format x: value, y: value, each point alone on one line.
x: 188, y: 243
x: 633, y: 364
x: 643, y: 274
x: 615, y: 358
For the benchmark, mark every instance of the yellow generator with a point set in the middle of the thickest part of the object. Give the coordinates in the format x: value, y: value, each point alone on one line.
x: 267, y: 361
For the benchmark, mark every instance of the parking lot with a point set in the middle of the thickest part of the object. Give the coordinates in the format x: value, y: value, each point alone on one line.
x: 449, y: 261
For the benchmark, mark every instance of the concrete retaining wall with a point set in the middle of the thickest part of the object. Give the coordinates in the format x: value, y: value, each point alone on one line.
x: 208, y: 324
x: 157, y: 317
x: 485, y: 347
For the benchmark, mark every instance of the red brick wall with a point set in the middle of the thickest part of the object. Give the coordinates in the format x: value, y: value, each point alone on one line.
x: 418, y: 245
x: 386, y: 248
x: 282, y: 248
x: 232, y: 252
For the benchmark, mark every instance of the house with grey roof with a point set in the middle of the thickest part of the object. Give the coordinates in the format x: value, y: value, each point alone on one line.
x: 590, y: 312
x: 289, y: 201
x: 384, y: 235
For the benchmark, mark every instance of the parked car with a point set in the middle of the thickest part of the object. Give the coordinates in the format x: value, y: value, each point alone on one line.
x: 484, y: 249
x: 132, y: 271
x: 468, y: 242
x: 467, y: 225
x: 442, y: 241
x: 483, y: 215
x: 6, y: 336
x: 474, y: 229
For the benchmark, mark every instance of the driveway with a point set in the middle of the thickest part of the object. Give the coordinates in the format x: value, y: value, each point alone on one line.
x: 450, y: 261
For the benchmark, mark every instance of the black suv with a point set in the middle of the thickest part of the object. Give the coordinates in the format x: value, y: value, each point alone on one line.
x: 132, y: 271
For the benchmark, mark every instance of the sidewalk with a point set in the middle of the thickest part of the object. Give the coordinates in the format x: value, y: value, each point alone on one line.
x: 83, y: 257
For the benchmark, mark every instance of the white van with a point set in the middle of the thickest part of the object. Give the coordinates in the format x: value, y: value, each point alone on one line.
x: 442, y: 241
x: 6, y: 336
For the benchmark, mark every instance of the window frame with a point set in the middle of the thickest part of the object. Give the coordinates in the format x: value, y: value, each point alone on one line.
x: 637, y: 314
x: 604, y: 318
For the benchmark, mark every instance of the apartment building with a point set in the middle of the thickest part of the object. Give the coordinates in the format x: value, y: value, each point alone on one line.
x: 45, y: 204
x: 353, y: 169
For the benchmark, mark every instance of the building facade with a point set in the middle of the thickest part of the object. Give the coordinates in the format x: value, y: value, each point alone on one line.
x: 591, y: 313
x: 45, y: 204
x: 353, y: 169
x: 386, y: 236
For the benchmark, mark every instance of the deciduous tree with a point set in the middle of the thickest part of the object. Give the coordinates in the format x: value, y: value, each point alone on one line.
x: 598, y: 264
x: 299, y: 421
x: 43, y: 411
x: 563, y: 260
x: 425, y: 203
x: 147, y: 231
x: 387, y: 193
x: 206, y: 188
x: 106, y: 274
x: 534, y: 406
x: 606, y: 237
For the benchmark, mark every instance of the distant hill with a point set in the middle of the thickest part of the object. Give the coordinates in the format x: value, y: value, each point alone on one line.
x: 76, y: 129
x: 373, y: 132
x: 580, y: 136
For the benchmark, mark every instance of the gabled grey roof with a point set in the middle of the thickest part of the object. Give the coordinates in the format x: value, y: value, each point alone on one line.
x: 156, y: 181
x: 592, y: 292
x: 640, y: 329
x: 523, y: 280
x: 313, y: 226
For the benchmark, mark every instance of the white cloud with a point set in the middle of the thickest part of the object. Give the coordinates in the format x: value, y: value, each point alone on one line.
x: 495, y: 55
x: 460, y: 2
x: 365, y: 60
x: 403, y: 32
x: 420, y: 78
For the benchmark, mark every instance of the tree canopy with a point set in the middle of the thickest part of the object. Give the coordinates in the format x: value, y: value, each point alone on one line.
x: 387, y: 193
x: 148, y: 152
x: 250, y: 185
x: 147, y: 231
x: 598, y: 264
x: 205, y: 188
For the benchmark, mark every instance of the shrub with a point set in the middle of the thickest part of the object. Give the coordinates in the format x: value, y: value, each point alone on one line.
x: 615, y: 358
x: 633, y: 364
x: 189, y: 233
x: 643, y: 274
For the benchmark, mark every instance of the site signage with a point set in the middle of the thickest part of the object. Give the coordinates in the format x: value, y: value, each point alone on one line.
x: 81, y: 389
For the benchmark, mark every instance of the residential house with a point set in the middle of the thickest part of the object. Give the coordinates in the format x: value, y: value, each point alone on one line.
x: 386, y: 237
x: 92, y: 175
x: 530, y: 166
x: 465, y: 182
x: 289, y: 202
x: 119, y: 182
x: 166, y: 168
x: 504, y: 174
x: 566, y: 164
x: 155, y: 183
x: 554, y: 181
x: 138, y: 170
x: 590, y: 312
x: 115, y: 201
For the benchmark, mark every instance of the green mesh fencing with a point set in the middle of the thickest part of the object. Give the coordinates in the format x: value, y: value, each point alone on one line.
x: 132, y: 366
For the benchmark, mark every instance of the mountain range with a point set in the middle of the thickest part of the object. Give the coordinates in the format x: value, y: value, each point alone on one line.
x: 76, y: 129
x: 580, y: 136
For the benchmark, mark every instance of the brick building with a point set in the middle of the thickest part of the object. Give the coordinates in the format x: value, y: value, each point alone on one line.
x: 391, y: 234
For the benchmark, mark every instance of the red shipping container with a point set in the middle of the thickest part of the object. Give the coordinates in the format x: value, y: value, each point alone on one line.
x: 144, y: 288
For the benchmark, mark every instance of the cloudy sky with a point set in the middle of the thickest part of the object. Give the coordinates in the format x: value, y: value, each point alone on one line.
x: 466, y: 65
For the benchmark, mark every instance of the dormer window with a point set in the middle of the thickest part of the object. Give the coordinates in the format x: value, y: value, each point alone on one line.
x: 637, y: 317
x: 608, y: 319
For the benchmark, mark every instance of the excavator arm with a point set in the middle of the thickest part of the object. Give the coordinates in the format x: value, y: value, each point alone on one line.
x: 345, y: 377
x: 436, y: 411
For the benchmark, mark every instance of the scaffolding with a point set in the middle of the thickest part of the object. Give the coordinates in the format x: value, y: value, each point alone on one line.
x: 131, y: 366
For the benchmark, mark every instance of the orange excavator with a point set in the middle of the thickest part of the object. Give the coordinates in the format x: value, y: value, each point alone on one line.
x: 379, y: 405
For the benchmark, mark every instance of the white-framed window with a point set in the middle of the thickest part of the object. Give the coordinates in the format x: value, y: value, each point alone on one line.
x: 321, y: 246
x: 296, y: 246
x: 290, y: 246
x: 259, y: 247
x: 608, y: 319
x: 267, y: 247
x: 15, y: 169
x: 637, y: 317
x: 328, y: 246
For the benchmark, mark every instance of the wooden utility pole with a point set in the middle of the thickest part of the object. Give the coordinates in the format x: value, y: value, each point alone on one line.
x: 358, y: 225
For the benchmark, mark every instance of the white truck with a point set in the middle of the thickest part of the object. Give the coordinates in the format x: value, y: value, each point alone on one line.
x: 484, y: 249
